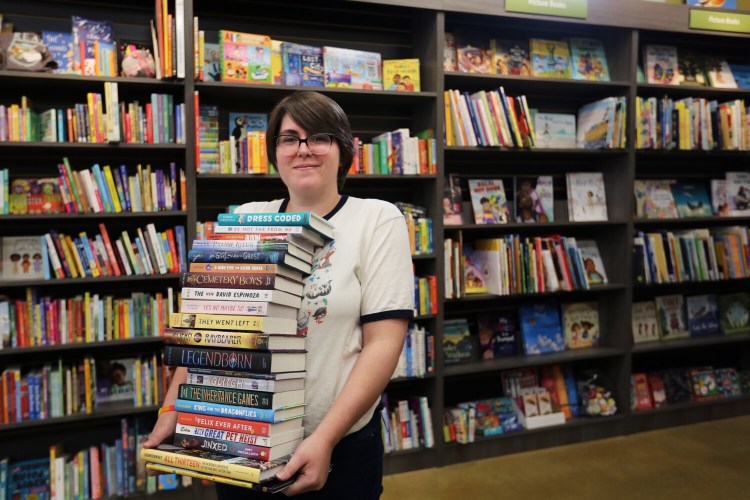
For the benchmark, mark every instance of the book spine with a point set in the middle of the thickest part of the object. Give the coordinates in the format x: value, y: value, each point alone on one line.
x: 261, y: 429
x: 235, y: 340
x: 191, y: 431
x: 220, y: 410
x: 234, y: 471
x: 253, y: 281
x: 222, y: 446
x: 233, y: 382
x: 221, y: 307
x: 227, y: 396
x: 241, y: 245
x: 227, y: 294
x: 196, y: 357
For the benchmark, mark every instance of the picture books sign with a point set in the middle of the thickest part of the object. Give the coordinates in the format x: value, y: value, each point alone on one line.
x: 733, y: 22
x: 563, y: 8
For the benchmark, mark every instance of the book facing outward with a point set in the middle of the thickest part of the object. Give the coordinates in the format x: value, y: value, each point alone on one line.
x: 271, y: 486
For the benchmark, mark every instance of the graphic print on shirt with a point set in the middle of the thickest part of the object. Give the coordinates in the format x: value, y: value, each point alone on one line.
x: 317, y: 289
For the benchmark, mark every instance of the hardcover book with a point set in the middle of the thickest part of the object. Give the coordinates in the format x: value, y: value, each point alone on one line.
x: 23, y: 258
x: 457, y: 344
x: 93, y: 47
x: 719, y: 199
x: 593, y: 266
x: 236, y: 360
x: 534, y: 199
x: 211, y: 62
x: 720, y: 73
x: 589, y: 61
x: 488, y: 201
x: 235, y: 340
x: 472, y: 58
x: 703, y: 315
x: 540, y: 327
x: 303, y: 65
x: 510, y: 57
x: 245, y: 57
x: 549, y: 58
x: 352, y: 69
x: 655, y: 199
x: 595, y: 124
x: 587, y: 199
x: 401, y: 75
x: 498, y: 335
x: 660, y: 64
x: 644, y: 323
x: 242, y: 397
x: 581, y: 324
x: 691, y: 199
x: 738, y: 193
x: 691, y: 69
x: 115, y: 383
x: 734, y: 313
x: 670, y: 311
x: 453, y: 202
x: 555, y: 130
x: 60, y: 46
x: 271, y: 486
x: 227, y: 447
x: 741, y: 74
x: 476, y: 281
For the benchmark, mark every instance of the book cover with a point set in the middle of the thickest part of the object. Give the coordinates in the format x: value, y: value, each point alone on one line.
x: 115, y: 383
x: 450, y: 62
x: 587, y: 199
x: 719, y: 199
x: 595, y: 124
x: 741, y: 74
x: 589, y: 61
x: 592, y: 262
x: 644, y: 323
x: 458, y: 346
x: 354, y: 69
x: 136, y: 59
x: 660, y: 64
x: 60, y: 46
x: 488, y: 201
x: 401, y: 75
x: 549, y: 58
x: 22, y: 258
x: 720, y: 73
x: 734, y: 313
x: 476, y: 281
x: 245, y: 57
x: 691, y: 199
x: 555, y: 130
x: 581, y: 324
x: 92, y: 41
x: 641, y: 392
x: 211, y: 62
x: 738, y: 193
x: 659, y: 203
x: 28, y: 479
x: 705, y: 385
x: 510, y: 57
x: 472, y: 58
x: 713, y: 4
x: 703, y: 315
x: 453, y: 202
x: 534, y: 200
x: 690, y: 69
x: 303, y: 65
x: 670, y: 312
x: 498, y: 334
x: 540, y: 327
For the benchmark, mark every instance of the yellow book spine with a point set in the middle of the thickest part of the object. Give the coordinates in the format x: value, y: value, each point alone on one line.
x: 112, y: 188
x: 216, y: 321
x: 448, y: 123
x: 126, y: 314
x: 196, y: 463
x: 88, y: 396
x: 138, y: 384
x: 76, y: 257
x: 87, y: 332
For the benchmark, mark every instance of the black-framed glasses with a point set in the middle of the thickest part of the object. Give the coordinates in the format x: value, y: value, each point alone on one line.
x: 318, y: 144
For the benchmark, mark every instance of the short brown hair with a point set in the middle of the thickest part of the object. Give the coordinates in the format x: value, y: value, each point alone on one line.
x: 315, y: 113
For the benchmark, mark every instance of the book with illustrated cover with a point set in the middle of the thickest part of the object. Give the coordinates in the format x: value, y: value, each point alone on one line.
x: 245, y: 57
x: 703, y: 315
x: 534, y: 200
x: 596, y: 124
x: 401, y: 75
x: 690, y: 69
x: 115, y: 383
x: 540, y: 327
x: 589, y: 61
x: 734, y: 313
x: 587, y: 199
x: 549, y: 58
x: 741, y: 74
x: 211, y: 62
x: 136, y: 59
x: 93, y: 47
x: 720, y: 73
x: 472, y: 58
x: 719, y: 199
x: 475, y: 277
x: 452, y: 202
x: 644, y: 323
x: 692, y: 199
x: 592, y: 262
x: 661, y: 64
x: 498, y: 335
x: 23, y: 258
x: 457, y: 344
x: 488, y: 201
x: 738, y: 193
x: 303, y: 65
x: 510, y: 57
x: 658, y: 202
x: 670, y: 312
x: 352, y: 69
x: 450, y: 62
x: 60, y: 46
x: 581, y: 324
x: 555, y: 130
x: 713, y: 4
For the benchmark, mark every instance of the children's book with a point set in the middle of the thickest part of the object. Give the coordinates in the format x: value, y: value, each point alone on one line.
x: 661, y: 64
x: 658, y: 202
x: 510, y: 57
x: 245, y: 57
x: 670, y: 312
x: 136, y: 59
x: 596, y: 124
x: 589, y: 61
x: 738, y: 193
x: 472, y: 58
x: 719, y: 200
x: 498, y: 335
x: 475, y: 278
x: 401, y: 75
x: 734, y: 313
x: 705, y: 385
x: 211, y: 62
x: 720, y: 74
x: 644, y: 323
x: 554, y: 130
x: 450, y: 62
x: 355, y: 69
x: 93, y: 47
x: 690, y: 69
x: 241, y: 123
x: 488, y: 201
x: 549, y: 58
x: 592, y: 262
x: 714, y: 4
x: 302, y: 65
x: 457, y: 344
x: 691, y: 199
x: 452, y: 202
x: 534, y: 200
x: 741, y: 74
x: 29, y: 479
x: 23, y: 258
x: 587, y: 199
x: 540, y: 327
x: 115, y: 383
x: 641, y: 392
x: 60, y: 46
x: 581, y: 324
x: 703, y: 315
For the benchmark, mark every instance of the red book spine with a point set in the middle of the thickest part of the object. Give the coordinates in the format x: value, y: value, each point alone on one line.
x: 69, y: 123
x: 149, y: 124
x: 224, y: 423
x: 110, y: 250
x: 173, y: 250
x: 197, y: 133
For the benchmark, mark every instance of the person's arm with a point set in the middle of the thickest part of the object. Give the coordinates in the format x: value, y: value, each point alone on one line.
x: 165, y: 425
x: 382, y: 342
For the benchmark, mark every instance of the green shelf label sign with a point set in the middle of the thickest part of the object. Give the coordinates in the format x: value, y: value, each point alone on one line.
x: 709, y: 19
x: 563, y: 8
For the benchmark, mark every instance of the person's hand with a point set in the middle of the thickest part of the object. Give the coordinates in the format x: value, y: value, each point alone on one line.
x: 311, y: 460
x: 162, y: 431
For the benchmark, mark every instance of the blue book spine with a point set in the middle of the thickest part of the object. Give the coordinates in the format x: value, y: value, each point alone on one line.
x: 220, y: 410
x: 179, y: 232
x: 119, y: 481
x: 126, y: 188
x: 265, y: 219
x: 173, y: 184
x: 86, y: 244
x: 144, y: 256
x: 103, y: 189
x: 83, y: 256
x: 45, y: 259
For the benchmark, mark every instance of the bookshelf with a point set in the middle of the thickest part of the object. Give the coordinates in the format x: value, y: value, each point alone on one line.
x: 399, y: 30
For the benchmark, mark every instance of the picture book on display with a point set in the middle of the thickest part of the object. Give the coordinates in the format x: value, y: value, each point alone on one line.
x: 549, y: 58
x: 589, y: 62
x: 703, y: 315
x: 734, y: 313
x: 476, y: 277
x: 245, y: 57
x: 302, y: 65
x: 510, y: 57
x: 587, y: 199
x: 660, y: 64
x: 592, y: 262
x: 452, y: 202
x: 644, y: 323
x: 713, y: 4
x: 690, y: 69
x: 741, y: 74
x: 654, y: 199
x: 554, y: 130
x: 115, y: 383
x: 498, y: 335
x: 23, y: 258
x: 211, y: 62
x: 458, y: 346
x: 93, y: 47
x: 719, y: 199
x: 353, y: 69
x: 738, y: 193
x: 401, y: 75
x: 670, y: 312
x: 534, y: 200
x: 540, y: 327
x: 581, y: 324
x: 60, y: 46
x: 720, y: 74
x: 472, y: 58
x: 692, y: 199
x: 488, y: 201
x: 595, y: 124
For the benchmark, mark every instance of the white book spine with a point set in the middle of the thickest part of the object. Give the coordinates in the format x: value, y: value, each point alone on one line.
x: 249, y: 384
x: 161, y: 261
x: 123, y: 257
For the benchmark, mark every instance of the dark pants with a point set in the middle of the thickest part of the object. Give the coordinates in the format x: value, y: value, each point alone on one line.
x: 356, y: 470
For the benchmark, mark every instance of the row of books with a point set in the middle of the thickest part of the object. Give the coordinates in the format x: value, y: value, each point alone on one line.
x: 670, y: 65
x: 517, y: 265
x: 90, y: 317
x: 486, y: 336
x: 692, y: 123
x: 658, y: 389
x: 80, y: 387
x: 425, y: 295
x: 397, y: 153
x: 419, y: 227
x: 668, y: 317
x: 406, y: 423
x: 485, y: 417
x: 577, y: 58
x: 417, y: 358
x: 672, y: 199
x: 691, y: 255
x: 99, y: 120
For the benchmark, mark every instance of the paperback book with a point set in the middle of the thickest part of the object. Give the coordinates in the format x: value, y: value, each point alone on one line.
x: 703, y: 315
x: 587, y: 199
x: 555, y: 130
x: 670, y: 312
x: 589, y: 61
x: 401, y: 75
x: 534, y: 201
x: 644, y: 323
x: 488, y: 201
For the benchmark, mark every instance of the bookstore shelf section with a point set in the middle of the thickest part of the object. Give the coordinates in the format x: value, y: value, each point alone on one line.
x: 691, y: 343
x: 90, y: 281
x: 145, y: 342
x: 54, y: 424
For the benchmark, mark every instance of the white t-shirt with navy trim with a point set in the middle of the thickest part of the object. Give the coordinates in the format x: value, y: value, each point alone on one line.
x: 365, y: 274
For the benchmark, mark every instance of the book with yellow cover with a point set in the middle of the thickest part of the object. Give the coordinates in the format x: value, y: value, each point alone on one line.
x: 269, y: 487
x: 235, y: 323
x: 549, y: 58
x: 401, y: 75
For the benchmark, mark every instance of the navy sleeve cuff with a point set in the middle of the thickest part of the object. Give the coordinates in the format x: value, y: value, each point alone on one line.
x: 397, y: 313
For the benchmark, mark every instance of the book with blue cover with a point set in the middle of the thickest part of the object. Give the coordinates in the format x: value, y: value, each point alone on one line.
x: 457, y: 343
x: 692, y: 199
x: 588, y: 59
x: 703, y: 315
x: 60, y: 45
x: 303, y: 65
x: 741, y: 74
x: 541, y: 329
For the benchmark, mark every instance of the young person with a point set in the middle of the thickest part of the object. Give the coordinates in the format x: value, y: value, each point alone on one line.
x: 356, y: 306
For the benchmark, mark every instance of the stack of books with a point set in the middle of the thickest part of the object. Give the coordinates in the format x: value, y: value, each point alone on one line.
x: 240, y: 412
